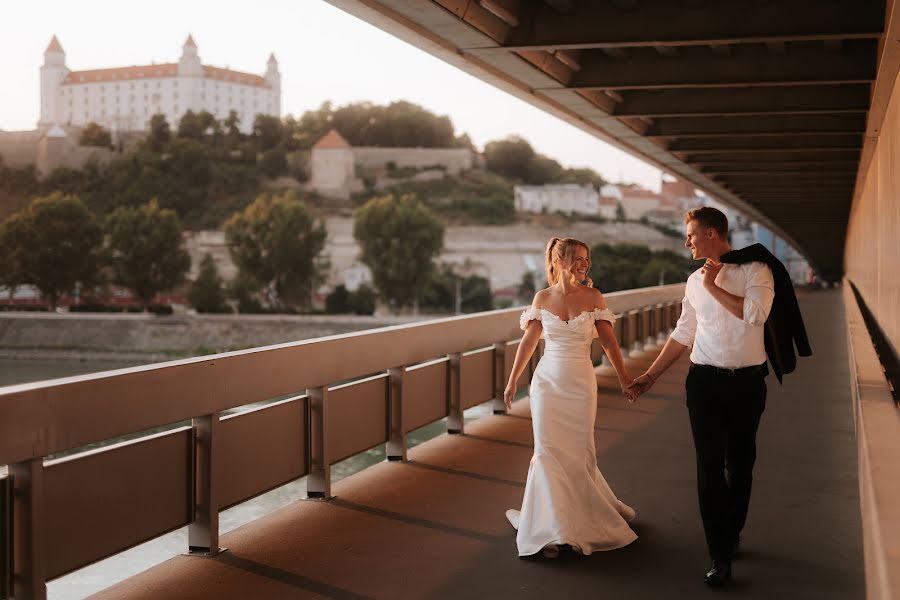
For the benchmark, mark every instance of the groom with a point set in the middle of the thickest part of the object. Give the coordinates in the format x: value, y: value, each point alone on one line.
x: 724, y: 310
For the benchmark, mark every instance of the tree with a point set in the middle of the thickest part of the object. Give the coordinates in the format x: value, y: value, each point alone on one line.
x: 338, y: 301
x: 190, y: 126
x: 160, y: 134
x: 510, y: 157
x: 54, y: 243
x: 399, y: 238
x: 273, y: 163
x: 276, y: 242
x: 145, y: 247
x: 267, y: 131
x: 527, y: 286
x: 95, y: 135
x: 630, y: 266
x: 207, y: 294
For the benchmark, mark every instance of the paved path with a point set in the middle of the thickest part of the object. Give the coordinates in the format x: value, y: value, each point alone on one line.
x: 434, y: 527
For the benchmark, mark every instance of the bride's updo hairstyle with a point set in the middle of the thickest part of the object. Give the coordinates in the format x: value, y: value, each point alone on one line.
x: 563, y: 250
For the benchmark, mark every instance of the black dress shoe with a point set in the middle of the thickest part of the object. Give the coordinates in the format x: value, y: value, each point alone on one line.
x: 719, y: 574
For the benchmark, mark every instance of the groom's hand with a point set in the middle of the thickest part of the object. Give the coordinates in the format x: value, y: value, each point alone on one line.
x: 642, y: 384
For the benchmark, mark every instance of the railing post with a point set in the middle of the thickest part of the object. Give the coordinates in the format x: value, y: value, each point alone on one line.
x: 396, y: 445
x: 203, y: 532
x: 646, y: 325
x: 318, y: 483
x: 634, y: 335
x: 662, y: 322
x: 498, y: 404
x: 6, y: 541
x: 29, y: 567
x: 455, y: 421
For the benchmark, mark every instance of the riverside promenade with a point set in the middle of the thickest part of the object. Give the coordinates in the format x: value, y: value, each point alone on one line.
x: 434, y: 527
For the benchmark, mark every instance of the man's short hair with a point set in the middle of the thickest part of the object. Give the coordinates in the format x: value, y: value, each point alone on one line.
x: 709, y: 217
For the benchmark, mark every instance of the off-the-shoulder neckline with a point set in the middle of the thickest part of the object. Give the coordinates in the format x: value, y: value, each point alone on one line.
x: 575, y: 318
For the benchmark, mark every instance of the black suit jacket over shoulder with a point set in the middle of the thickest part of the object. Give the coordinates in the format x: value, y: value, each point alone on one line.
x: 784, y: 327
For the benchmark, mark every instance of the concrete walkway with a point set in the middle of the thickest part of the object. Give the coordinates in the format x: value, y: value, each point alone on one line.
x: 434, y: 527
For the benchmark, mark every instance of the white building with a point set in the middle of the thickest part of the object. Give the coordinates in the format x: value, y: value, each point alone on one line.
x: 569, y: 198
x: 610, y: 201
x: 125, y: 98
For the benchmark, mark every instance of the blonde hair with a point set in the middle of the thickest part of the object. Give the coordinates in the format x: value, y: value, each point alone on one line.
x: 564, y: 249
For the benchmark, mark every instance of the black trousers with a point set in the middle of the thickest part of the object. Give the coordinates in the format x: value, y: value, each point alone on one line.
x: 724, y: 411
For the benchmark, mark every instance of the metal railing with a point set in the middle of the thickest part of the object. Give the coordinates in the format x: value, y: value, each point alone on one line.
x: 345, y: 394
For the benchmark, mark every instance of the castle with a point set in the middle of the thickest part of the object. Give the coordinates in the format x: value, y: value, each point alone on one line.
x: 125, y: 98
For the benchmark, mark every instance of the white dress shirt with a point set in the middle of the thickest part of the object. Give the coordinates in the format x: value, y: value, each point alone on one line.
x: 716, y: 336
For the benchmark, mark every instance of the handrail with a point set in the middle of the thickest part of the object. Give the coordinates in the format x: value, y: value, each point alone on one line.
x: 877, y: 431
x: 348, y: 393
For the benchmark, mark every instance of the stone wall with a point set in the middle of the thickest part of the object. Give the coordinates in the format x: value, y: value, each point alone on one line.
x: 453, y: 160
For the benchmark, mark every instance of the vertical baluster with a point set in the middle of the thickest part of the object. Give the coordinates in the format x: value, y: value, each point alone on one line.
x: 29, y: 566
x: 634, y: 334
x: 498, y: 404
x: 203, y: 532
x: 455, y: 422
x: 396, y: 445
x: 318, y: 483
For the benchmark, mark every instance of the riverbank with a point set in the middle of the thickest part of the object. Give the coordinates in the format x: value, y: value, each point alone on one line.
x: 144, y: 338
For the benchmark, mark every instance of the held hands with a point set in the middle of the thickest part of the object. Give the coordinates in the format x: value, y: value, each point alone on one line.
x: 627, y: 384
x: 641, y: 385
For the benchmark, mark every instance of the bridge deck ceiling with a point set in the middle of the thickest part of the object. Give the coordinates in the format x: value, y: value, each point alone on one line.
x: 761, y: 99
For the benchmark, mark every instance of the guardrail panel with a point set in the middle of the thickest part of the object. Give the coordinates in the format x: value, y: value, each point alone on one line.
x: 261, y: 449
x: 477, y: 377
x: 357, y: 417
x: 425, y: 394
x: 105, y: 501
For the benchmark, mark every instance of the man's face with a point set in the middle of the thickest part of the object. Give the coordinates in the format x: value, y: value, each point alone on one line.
x: 698, y: 240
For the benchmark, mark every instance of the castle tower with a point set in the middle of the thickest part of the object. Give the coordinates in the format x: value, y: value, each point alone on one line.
x: 53, y: 72
x: 273, y: 77
x: 190, y: 74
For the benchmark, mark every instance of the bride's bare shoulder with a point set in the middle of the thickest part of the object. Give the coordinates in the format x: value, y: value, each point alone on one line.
x: 541, y: 297
x: 596, y: 295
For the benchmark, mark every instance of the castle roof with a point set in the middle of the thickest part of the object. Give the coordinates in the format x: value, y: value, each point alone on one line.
x: 272, y: 58
x: 160, y: 70
x: 332, y: 141
x: 54, y: 46
x: 190, y: 41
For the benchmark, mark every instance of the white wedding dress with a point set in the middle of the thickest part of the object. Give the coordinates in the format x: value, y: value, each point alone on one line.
x: 567, y: 501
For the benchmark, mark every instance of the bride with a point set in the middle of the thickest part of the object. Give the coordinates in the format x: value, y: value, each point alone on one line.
x: 567, y: 501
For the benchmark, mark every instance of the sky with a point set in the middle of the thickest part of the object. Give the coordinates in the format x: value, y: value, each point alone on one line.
x: 323, y: 54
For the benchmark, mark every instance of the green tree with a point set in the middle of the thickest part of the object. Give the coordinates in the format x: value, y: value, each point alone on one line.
x: 362, y: 301
x: 267, y: 131
x: 54, y: 243
x: 190, y: 126
x: 145, y: 248
x: 273, y: 163
x: 95, y: 135
x: 338, y: 301
x: 527, y: 286
x: 207, y: 294
x: 160, y: 134
x: 276, y: 242
x: 400, y: 239
x: 510, y: 157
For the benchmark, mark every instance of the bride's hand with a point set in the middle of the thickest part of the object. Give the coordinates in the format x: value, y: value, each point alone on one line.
x: 508, y: 394
x: 627, y: 390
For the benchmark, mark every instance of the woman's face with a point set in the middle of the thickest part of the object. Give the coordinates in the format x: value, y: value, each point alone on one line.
x: 580, y: 264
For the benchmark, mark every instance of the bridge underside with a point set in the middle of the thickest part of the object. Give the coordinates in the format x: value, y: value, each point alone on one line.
x: 769, y: 106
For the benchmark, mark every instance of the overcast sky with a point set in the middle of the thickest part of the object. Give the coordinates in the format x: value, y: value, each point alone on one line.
x: 323, y: 54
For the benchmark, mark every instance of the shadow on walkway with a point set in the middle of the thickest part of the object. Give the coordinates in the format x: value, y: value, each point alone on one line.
x: 434, y: 527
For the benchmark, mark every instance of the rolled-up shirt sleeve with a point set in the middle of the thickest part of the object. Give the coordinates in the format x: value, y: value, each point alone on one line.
x: 759, y: 294
x: 686, y: 328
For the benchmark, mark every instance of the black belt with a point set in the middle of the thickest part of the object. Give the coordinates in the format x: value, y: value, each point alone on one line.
x: 739, y: 372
